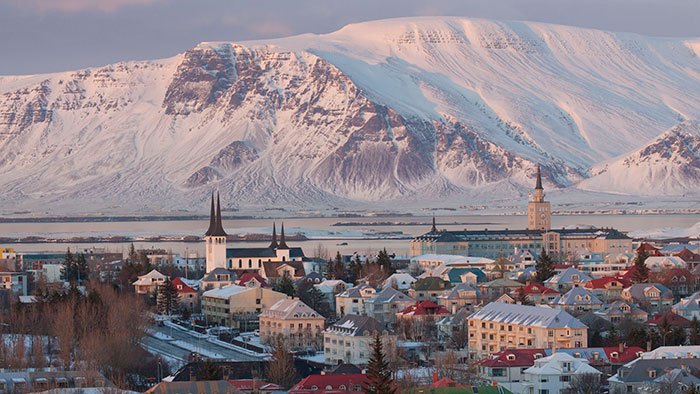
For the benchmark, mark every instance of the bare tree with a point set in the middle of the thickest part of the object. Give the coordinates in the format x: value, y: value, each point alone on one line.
x: 460, y: 335
x: 587, y: 383
x: 280, y: 369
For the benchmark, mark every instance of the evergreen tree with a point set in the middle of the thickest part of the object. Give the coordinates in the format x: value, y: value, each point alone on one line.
x: 596, y: 339
x: 694, y: 336
x: 133, y: 257
x: 68, y: 264
x: 641, y: 272
x: 384, y: 262
x: 544, y: 267
x: 209, y: 371
x: 501, y: 265
x: 285, y: 285
x: 378, y: 374
x: 167, y: 297
x: 522, y: 297
x: 81, y: 269
x: 311, y: 296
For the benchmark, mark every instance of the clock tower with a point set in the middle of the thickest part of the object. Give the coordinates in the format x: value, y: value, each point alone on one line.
x: 538, y: 210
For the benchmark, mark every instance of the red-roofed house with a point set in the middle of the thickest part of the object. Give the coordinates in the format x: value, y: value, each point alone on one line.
x: 422, y: 309
x: 607, y: 288
x: 680, y: 281
x: 189, y: 297
x: 254, y: 385
x: 651, y: 250
x: 252, y: 280
x: 539, y: 294
x: 330, y: 384
x: 673, y: 320
x: 690, y: 258
x: 506, y: 367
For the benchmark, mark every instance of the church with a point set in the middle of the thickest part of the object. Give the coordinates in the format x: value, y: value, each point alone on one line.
x: 271, y: 262
x: 538, y: 235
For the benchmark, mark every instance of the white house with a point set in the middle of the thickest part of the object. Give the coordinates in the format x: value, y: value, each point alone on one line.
x: 399, y: 281
x: 660, y: 263
x: 146, y: 284
x: 554, y: 374
x: 688, y: 307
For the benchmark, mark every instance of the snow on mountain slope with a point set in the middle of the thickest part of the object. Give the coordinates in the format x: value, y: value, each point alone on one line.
x: 402, y: 109
x: 668, y: 166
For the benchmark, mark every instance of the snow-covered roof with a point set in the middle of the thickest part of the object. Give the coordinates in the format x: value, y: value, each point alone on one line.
x: 390, y: 295
x: 328, y: 286
x: 227, y: 291
x: 689, y: 303
x: 536, y: 316
x: 401, y: 280
x: 554, y: 365
x: 354, y: 325
x: 569, y: 275
x: 577, y: 296
x: 668, y: 352
x: 290, y: 309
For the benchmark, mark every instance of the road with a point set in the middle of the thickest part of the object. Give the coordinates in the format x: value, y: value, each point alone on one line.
x: 180, y: 344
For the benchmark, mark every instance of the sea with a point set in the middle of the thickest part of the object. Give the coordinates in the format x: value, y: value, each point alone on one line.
x: 364, y: 235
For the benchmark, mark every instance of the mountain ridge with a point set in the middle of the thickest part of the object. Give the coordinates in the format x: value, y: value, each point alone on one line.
x: 394, y: 110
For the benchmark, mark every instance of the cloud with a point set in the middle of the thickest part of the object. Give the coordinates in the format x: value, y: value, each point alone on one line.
x: 70, y: 6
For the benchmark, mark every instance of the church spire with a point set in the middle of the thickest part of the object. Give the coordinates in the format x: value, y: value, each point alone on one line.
x: 434, y: 228
x: 218, y: 228
x: 283, y: 244
x: 212, y: 218
x: 273, y: 244
x: 539, y: 179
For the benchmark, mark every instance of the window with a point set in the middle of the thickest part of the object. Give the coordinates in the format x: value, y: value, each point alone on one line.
x: 314, y: 387
x: 498, y: 372
x: 342, y: 387
x: 565, y: 378
x: 652, y: 373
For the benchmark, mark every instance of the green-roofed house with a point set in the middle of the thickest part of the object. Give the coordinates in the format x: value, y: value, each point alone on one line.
x: 430, y: 288
x: 466, y: 275
x: 496, y: 288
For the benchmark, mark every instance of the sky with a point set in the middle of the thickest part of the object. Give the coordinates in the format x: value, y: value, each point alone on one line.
x: 41, y: 36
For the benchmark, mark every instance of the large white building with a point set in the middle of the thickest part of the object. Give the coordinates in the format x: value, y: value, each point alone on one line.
x: 556, y: 373
x: 349, y: 340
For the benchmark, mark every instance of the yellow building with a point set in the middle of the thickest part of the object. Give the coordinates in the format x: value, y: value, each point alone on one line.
x: 238, y: 306
x: 294, y: 322
x: 499, y: 326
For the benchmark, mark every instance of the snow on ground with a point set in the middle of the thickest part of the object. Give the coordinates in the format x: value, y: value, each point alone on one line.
x: 668, y: 232
x: 198, y: 349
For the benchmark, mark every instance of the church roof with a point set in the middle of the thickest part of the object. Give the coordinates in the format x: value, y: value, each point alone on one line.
x: 216, y: 228
x: 539, y: 180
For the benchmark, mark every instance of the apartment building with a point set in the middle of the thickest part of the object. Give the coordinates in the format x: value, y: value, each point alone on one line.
x: 294, y: 322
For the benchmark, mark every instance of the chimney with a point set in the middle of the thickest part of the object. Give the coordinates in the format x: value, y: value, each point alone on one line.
x: 622, y: 349
x: 648, y: 345
x: 435, y: 377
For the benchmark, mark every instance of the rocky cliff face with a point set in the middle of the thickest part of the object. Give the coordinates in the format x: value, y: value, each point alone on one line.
x: 413, y: 109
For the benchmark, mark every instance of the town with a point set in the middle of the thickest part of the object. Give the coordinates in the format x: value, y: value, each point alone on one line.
x: 525, y: 311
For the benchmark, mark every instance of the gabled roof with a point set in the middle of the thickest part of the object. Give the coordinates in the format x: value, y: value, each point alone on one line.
x: 688, y: 256
x: 536, y: 288
x: 637, y: 290
x: 553, y: 365
x: 226, y: 291
x: 602, y: 282
x: 248, y: 276
x: 502, y: 282
x: 322, y: 382
x: 537, y: 316
x: 455, y: 274
x: 255, y: 385
x: 577, y: 296
x: 462, y: 287
x: 673, y: 320
x: 638, y: 370
x: 356, y: 326
x: 290, y: 309
x: 271, y: 267
x: 691, y: 303
x: 567, y: 276
x: 425, y: 308
x: 431, y: 284
x: 402, y: 280
x: 389, y: 295
x: 183, y: 287
x: 354, y: 292
x: 211, y: 275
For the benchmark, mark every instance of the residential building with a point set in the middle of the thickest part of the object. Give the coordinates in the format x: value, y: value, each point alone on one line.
x: 539, y: 294
x: 499, y: 326
x: 147, y: 284
x: 187, y: 293
x: 464, y: 295
x: 217, y: 278
x: 607, y: 288
x: 619, y: 311
x: 349, y: 340
x: 330, y: 288
x: 294, y: 322
x: 274, y: 270
x: 632, y: 377
x: 507, y: 367
x: 385, y: 304
x: 688, y: 307
x: 680, y: 281
x: 331, y: 384
x: 400, y: 281
x: 352, y: 300
x: 554, y: 374
x: 15, y: 282
x: 673, y: 249
x: 238, y: 306
x: 255, y: 386
x: 202, y: 386
x: 311, y: 278
x: 676, y: 380
x: 429, y: 289
x: 251, y: 279
x: 660, y: 263
x: 567, y: 279
x: 670, y: 318
x: 498, y: 287
x: 652, y: 297
x: 692, y: 259
x: 578, y: 299
x: 422, y: 309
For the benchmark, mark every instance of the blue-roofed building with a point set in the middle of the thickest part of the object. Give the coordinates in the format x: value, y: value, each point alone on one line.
x: 466, y: 275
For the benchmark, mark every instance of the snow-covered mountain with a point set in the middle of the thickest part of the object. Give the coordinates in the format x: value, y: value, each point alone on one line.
x: 393, y: 110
